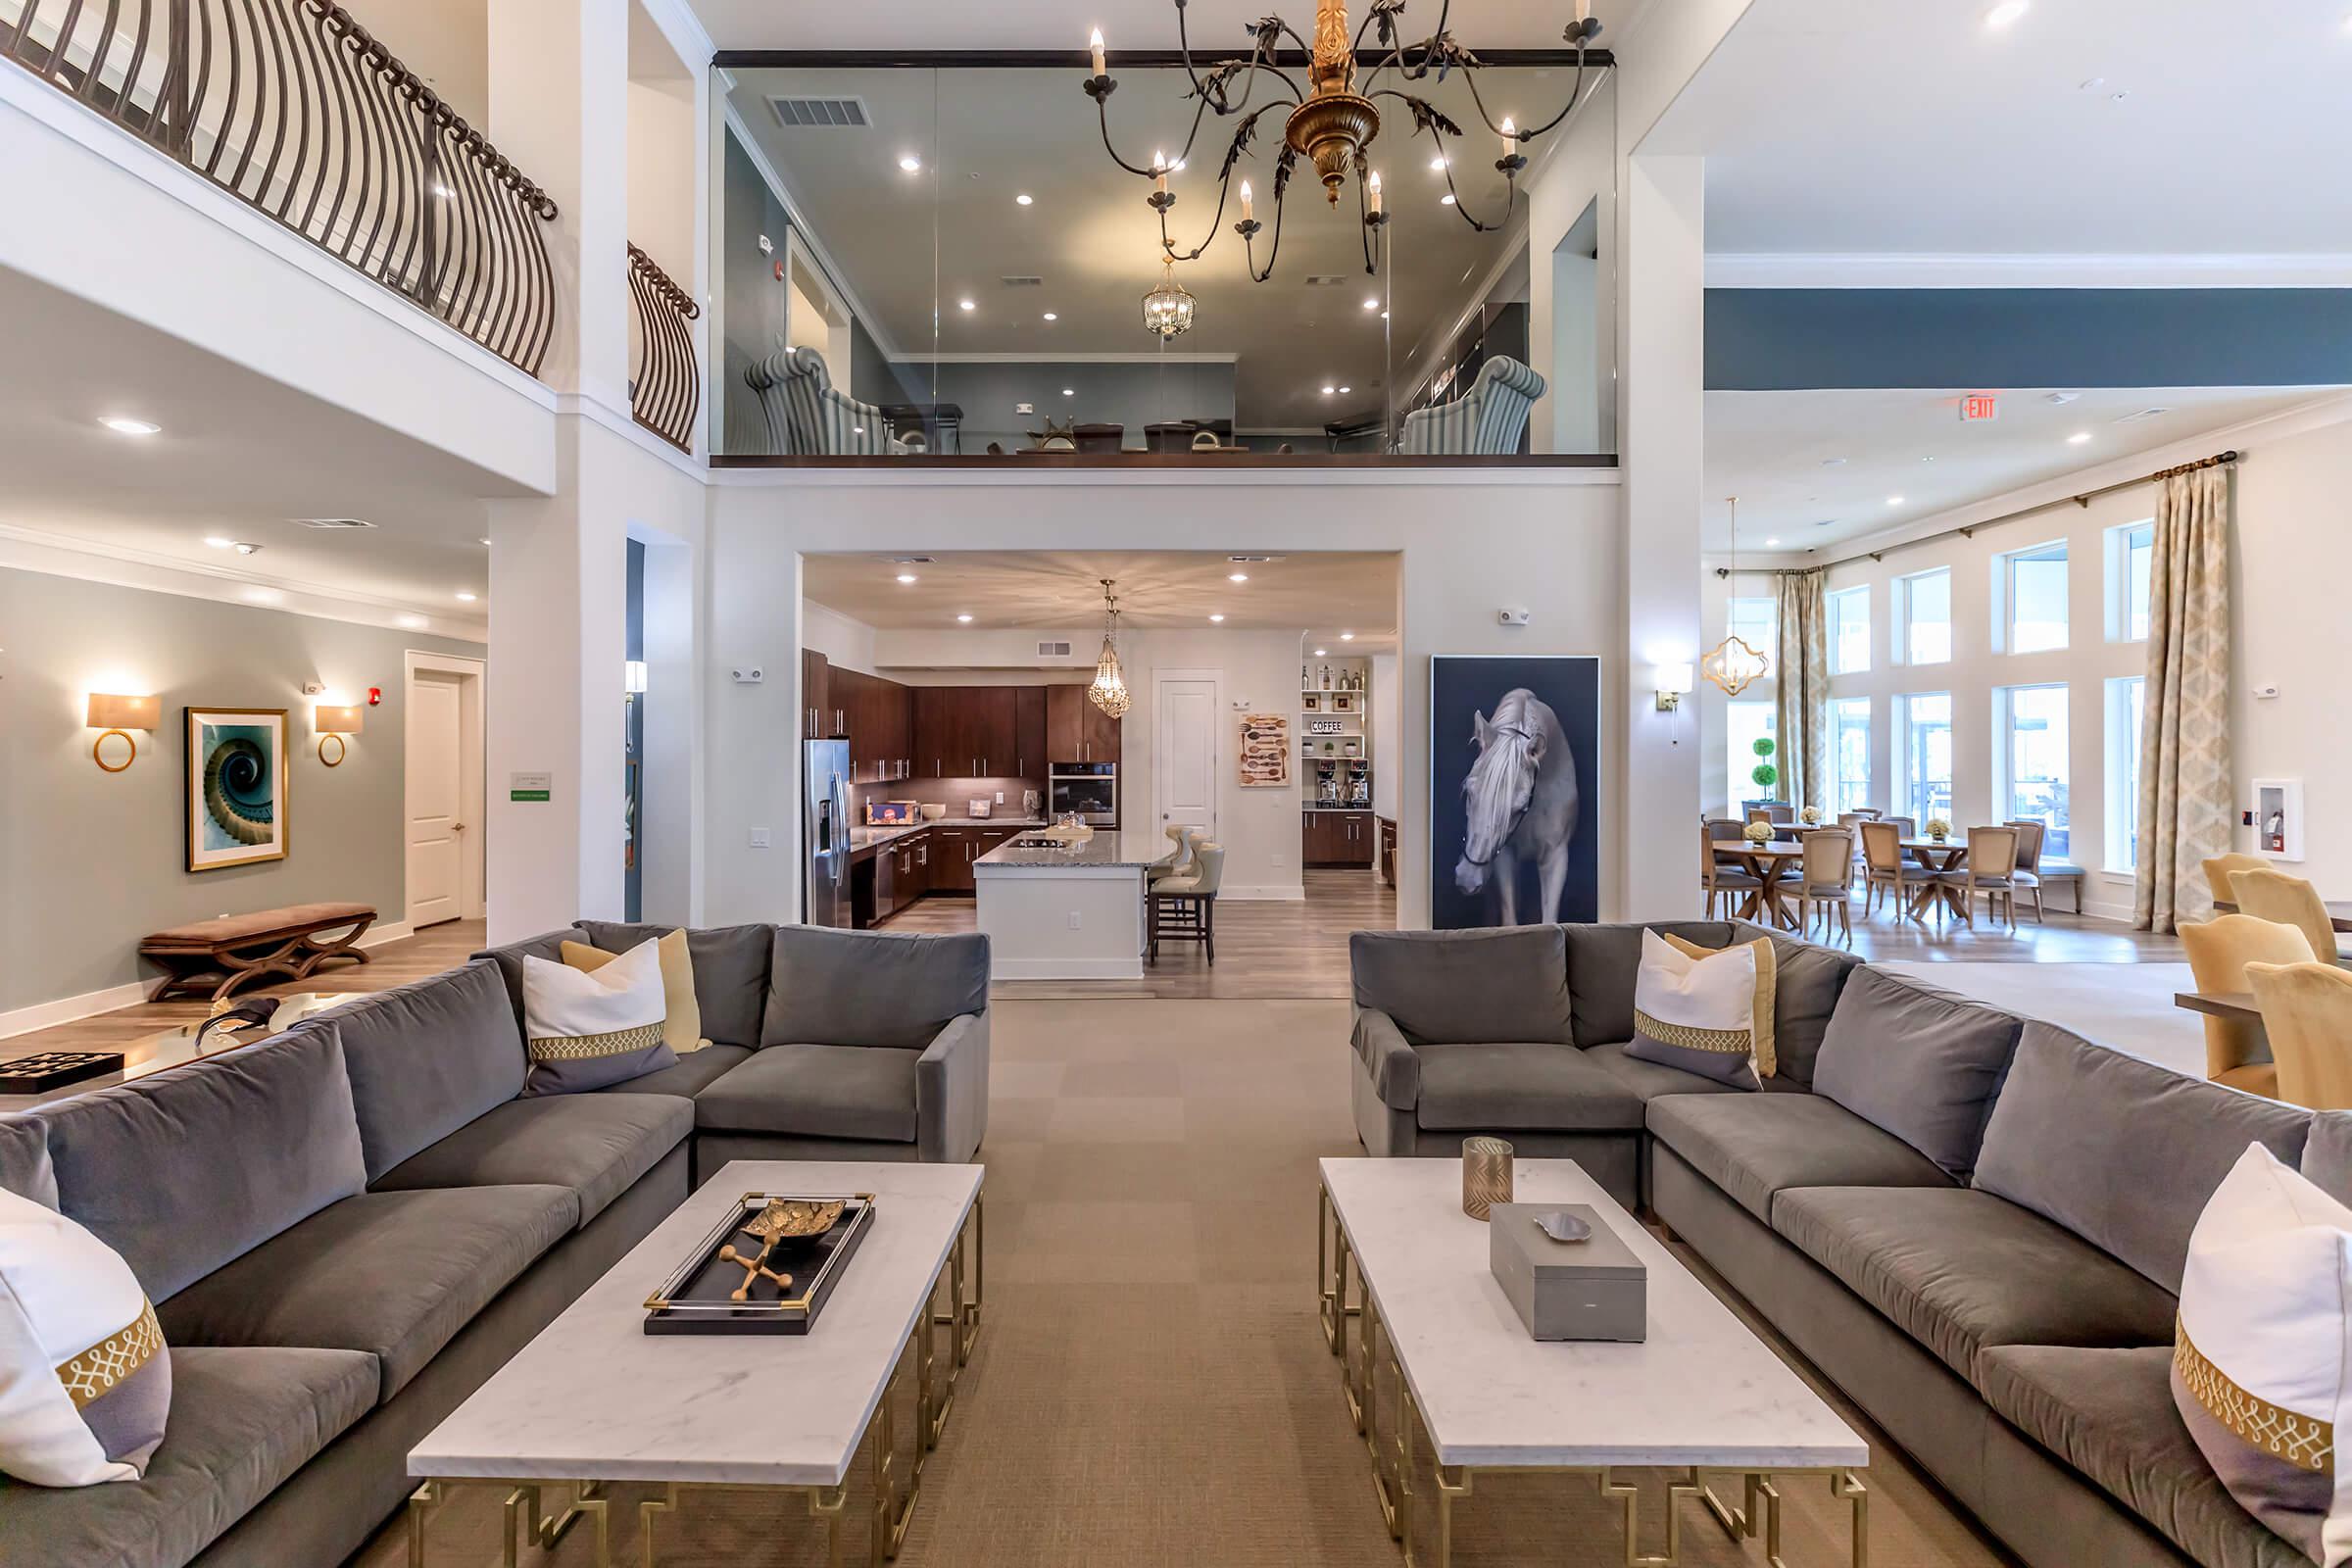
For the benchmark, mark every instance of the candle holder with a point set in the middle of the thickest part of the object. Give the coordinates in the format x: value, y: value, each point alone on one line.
x: 1510, y: 167
x: 1162, y: 200
x: 1376, y: 220
x: 1485, y: 1175
x: 1101, y: 87
x: 1247, y: 228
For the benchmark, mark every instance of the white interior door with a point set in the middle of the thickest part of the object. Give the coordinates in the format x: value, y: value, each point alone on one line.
x: 1185, y: 757
x: 436, y: 796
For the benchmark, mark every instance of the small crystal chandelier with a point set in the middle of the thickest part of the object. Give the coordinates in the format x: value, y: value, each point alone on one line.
x: 1169, y: 309
x: 1109, y: 690
x: 1733, y: 665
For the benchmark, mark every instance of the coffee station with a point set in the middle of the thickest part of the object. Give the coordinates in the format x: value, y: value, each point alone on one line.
x: 1336, y: 824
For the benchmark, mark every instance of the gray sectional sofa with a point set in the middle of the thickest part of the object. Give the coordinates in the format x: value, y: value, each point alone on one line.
x: 345, y: 1229
x: 1975, y: 1223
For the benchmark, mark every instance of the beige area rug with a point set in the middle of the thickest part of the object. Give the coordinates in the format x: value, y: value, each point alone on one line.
x: 1151, y: 1385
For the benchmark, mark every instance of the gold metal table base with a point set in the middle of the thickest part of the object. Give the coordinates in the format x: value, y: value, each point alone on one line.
x: 936, y: 1377
x: 1392, y: 1453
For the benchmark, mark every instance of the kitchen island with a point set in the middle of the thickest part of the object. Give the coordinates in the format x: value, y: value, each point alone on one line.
x: 1061, y: 911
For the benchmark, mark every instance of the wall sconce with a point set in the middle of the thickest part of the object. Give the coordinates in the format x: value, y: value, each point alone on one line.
x: 117, y: 715
x: 332, y: 725
x: 1673, y: 681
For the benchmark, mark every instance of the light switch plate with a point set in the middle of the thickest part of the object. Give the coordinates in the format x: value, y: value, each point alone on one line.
x: 759, y: 838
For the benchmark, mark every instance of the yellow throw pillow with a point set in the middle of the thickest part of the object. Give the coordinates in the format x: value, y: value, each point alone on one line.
x: 1767, y: 1066
x: 682, y: 1022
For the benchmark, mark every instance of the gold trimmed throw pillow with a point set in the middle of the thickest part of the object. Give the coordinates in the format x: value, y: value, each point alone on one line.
x: 585, y: 1029
x: 682, y: 1022
x: 1705, y: 1011
x: 2261, y: 1370
x: 85, y: 1381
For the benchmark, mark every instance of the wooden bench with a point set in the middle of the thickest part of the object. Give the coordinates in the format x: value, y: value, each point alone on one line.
x: 217, y: 956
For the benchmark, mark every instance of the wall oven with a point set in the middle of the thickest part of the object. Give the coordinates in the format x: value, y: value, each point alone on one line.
x: 1090, y: 789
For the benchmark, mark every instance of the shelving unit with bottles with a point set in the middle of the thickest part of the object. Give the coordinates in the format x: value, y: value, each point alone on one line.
x: 1336, y: 765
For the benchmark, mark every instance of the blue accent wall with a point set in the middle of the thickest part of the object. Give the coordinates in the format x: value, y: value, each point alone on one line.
x: 1780, y: 340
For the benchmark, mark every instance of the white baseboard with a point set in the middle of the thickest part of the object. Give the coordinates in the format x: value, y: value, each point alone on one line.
x: 397, y: 931
x: 1291, y: 893
x: 1066, y: 968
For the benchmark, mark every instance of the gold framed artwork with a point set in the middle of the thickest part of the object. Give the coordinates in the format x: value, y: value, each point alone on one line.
x: 1265, y: 751
x: 236, y: 787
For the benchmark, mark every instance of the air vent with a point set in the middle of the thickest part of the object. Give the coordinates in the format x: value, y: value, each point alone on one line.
x: 2144, y: 414
x: 1325, y: 280
x: 334, y: 522
x: 910, y: 561
x: 1053, y: 650
x: 1022, y: 282
x: 820, y: 114
x: 1254, y: 561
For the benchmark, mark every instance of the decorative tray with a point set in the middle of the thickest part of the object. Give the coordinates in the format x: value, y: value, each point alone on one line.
x: 768, y: 1268
x: 45, y: 1070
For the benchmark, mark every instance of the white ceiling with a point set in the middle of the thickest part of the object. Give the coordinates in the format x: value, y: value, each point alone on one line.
x: 1217, y: 24
x: 1869, y: 127
x: 239, y: 456
x: 1323, y: 593
x: 1814, y: 470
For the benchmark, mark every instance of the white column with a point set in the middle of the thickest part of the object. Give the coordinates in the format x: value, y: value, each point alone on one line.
x: 1662, y: 433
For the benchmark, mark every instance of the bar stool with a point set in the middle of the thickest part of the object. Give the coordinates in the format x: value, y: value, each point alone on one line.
x: 1178, y: 861
x: 1184, y: 908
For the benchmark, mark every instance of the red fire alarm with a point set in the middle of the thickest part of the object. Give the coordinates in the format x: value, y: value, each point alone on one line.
x: 779, y: 272
x: 375, y: 695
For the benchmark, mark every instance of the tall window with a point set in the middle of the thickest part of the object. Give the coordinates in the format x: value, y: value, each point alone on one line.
x: 1756, y: 621
x: 1926, y: 617
x: 1849, y: 630
x: 1849, y: 755
x: 2033, y: 596
x: 1927, y: 755
x: 2130, y: 549
x: 2034, y: 785
x: 2125, y: 708
x: 1744, y: 724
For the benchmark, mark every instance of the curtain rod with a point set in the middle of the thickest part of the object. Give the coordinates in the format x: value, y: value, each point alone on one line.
x: 1967, y: 531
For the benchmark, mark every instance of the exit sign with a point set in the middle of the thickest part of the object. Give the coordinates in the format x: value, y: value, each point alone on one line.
x: 1977, y: 407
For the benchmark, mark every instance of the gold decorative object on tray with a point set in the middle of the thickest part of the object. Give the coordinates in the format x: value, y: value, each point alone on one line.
x: 795, y: 1217
x: 1485, y: 1175
x: 801, y: 1246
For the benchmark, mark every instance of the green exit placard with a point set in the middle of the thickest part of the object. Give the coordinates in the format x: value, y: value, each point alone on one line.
x: 530, y: 786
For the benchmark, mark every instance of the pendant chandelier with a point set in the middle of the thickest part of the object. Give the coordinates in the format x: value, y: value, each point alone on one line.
x: 1334, y: 124
x: 1169, y: 309
x: 1109, y: 690
x: 1733, y: 665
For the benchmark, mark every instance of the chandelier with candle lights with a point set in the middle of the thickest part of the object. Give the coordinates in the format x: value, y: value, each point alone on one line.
x: 1333, y: 123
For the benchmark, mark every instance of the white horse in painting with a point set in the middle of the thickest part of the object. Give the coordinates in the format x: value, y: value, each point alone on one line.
x: 1520, y: 803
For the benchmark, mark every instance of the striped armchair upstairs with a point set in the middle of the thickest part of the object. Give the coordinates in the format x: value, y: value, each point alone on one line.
x: 1487, y: 421
x: 807, y: 419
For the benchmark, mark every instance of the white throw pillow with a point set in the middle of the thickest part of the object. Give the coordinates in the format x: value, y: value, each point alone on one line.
x: 584, y: 1029
x: 1705, y: 1011
x: 85, y: 1382
x: 2262, y: 1362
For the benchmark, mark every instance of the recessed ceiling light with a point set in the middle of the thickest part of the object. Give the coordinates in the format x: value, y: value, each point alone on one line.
x: 857, y: 429
x: 964, y: 620
x: 1438, y: 161
x: 1446, y: 200
x: 1894, y: 501
x: 1024, y: 199
x: 905, y: 576
x: 1328, y: 390
x: 465, y: 598
x: 1216, y: 617
x: 244, y: 548
x: 1069, y: 391
x: 219, y: 543
x: 1771, y: 543
x: 1347, y: 636
x: 1371, y: 305
x: 2005, y: 13
x: 124, y: 426
x: 1343, y: 391
x: 967, y: 305
x: 1320, y: 652
x: 485, y: 541
x: 910, y: 162
x: 2079, y: 438
x: 1051, y: 316
x: 1237, y: 576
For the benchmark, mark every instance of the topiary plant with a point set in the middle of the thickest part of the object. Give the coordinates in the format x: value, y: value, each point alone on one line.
x: 1764, y: 775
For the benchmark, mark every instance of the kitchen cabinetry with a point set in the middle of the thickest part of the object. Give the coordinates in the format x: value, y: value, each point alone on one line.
x: 967, y: 731
x: 1076, y: 730
x: 819, y: 718
x: 1029, y: 732
x: 954, y: 849
x: 1337, y: 838
x: 877, y: 712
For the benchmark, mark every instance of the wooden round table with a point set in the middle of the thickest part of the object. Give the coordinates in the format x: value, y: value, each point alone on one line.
x: 1763, y: 862
x: 1940, y: 855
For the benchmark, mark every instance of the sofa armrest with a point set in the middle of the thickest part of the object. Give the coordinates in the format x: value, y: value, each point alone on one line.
x: 950, y: 1092
x: 1388, y: 1059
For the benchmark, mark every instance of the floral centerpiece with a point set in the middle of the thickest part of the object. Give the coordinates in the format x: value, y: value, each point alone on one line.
x: 1757, y: 832
x: 1938, y: 829
x: 1810, y: 816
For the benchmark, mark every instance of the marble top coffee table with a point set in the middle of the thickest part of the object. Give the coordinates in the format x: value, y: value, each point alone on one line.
x: 594, y: 1399
x: 1701, y: 1393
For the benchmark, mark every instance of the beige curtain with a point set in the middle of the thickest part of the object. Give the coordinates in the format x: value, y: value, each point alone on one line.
x: 1802, y: 669
x: 2184, y: 799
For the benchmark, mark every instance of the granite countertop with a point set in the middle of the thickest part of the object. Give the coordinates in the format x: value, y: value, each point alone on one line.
x: 867, y: 838
x: 1101, y: 853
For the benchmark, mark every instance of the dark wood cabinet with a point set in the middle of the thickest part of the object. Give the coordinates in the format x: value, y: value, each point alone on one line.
x: 1337, y: 838
x: 967, y: 731
x: 1076, y: 730
x: 817, y: 719
x: 953, y: 852
x: 1028, y: 732
x: 913, y: 855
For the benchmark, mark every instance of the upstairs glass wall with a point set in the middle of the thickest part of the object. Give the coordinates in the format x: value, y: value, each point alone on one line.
x: 969, y: 265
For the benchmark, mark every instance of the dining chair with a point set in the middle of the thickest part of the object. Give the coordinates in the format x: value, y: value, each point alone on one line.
x: 2221, y: 867
x: 1827, y: 881
x: 1991, y: 869
x: 1716, y: 879
x: 2219, y: 950
x: 1184, y: 908
x: 2269, y: 895
x: 1887, y: 869
x: 2307, y: 1011
x: 1905, y: 826
x: 1777, y: 815
x: 2027, y: 875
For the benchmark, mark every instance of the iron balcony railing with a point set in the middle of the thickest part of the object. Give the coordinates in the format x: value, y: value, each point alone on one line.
x: 666, y: 380
x: 294, y: 107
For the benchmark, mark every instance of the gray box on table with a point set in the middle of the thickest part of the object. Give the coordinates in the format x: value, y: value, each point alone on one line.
x: 1591, y: 1289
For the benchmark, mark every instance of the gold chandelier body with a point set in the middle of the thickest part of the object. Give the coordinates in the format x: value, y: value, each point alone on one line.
x: 1334, y: 126
x: 1109, y: 690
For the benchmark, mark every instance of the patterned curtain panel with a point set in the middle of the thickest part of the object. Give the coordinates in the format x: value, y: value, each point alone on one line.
x: 1803, y: 673
x: 2184, y: 807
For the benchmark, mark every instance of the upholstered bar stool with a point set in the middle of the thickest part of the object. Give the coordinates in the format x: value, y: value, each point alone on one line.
x: 1184, y: 908
x: 1177, y: 862
x: 2219, y: 951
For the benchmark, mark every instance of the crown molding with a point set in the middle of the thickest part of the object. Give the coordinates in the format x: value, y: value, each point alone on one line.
x: 1924, y: 269
x: 1045, y: 361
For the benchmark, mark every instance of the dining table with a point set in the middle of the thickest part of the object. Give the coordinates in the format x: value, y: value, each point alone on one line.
x: 1764, y: 860
x: 2340, y: 912
x: 1943, y: 856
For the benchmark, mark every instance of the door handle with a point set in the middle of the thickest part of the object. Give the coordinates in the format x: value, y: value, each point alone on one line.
x: 457, y: 827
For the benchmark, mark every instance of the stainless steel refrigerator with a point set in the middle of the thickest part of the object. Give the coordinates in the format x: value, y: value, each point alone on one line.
x: 825, y: 832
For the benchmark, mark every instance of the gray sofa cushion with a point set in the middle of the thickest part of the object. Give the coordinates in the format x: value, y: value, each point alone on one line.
x: 394, y: 1274
x: 1649, y: 1079
x: 688, y: 1076
x: 426, y: 1058
x: 242, y: 1422
x: 1755, y: 1146
x: 186, y: 1169
x: 2119, y: 1151
x: 595, y: 1145
x: 870, y: 988
x: 24, y: 1167
x: 1807, y: 980
x: 1919, y: 1062
x: 730, y: 971
x: 818, y: 1092
x: 1450, y: 986
x: 2328, y: 1153
x: 2109, y: 1413
x: 1477, y: 1088
x: 508, y: 958
x: 1604, y: 961
x: 1959, y: 1270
